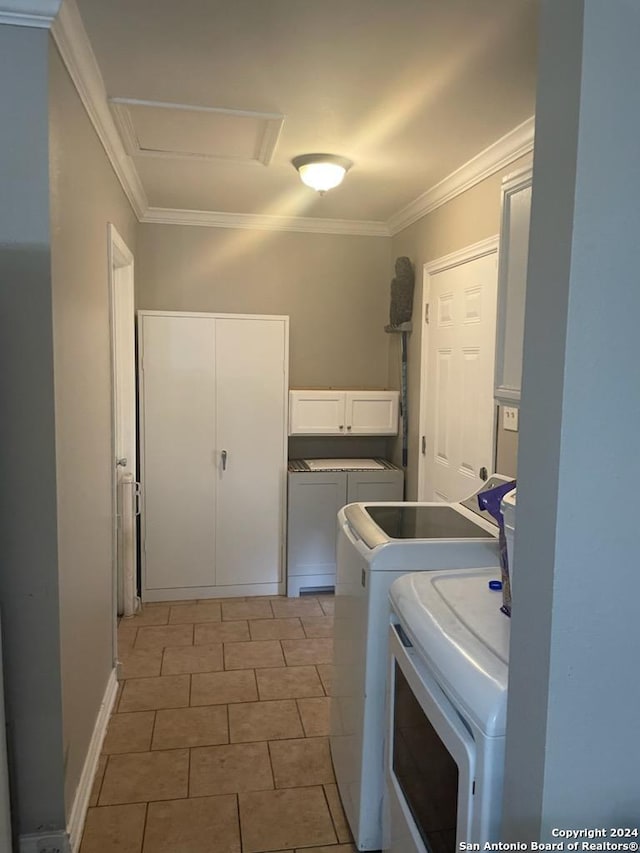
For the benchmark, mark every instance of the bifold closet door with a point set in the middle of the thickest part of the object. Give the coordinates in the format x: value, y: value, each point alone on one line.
x: 179, y: 419
x: 250, y: 430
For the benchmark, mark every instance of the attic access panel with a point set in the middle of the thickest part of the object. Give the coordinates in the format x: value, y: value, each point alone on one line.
x: 157, y: 129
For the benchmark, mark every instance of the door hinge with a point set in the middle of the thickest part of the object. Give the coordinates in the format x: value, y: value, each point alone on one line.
x: 424, y: 445
x: 426, y: 313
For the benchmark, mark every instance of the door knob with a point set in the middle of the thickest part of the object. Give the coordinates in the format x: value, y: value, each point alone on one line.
x: 223, y: 457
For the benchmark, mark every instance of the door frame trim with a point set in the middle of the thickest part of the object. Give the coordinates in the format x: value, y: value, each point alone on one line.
x: 120, y: 257
x: 429, y: 269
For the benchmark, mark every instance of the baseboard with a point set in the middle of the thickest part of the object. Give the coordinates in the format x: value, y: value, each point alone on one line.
x: 190, y: 593
x: 85, y: 785
x: 39, y: 842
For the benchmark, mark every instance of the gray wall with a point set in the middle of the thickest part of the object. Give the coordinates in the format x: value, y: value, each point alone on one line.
x: 573, y: 727
x: 85, y: 196
x: 334, y: 288
x: 28, y: 530
x: 467, y: 219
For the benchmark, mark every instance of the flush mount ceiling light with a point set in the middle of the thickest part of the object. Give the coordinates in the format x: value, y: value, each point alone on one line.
x: 321, y: 172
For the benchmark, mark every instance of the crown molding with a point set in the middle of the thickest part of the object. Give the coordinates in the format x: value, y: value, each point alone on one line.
x: 29, y: 13
x: 261, y: 222
x: 509, y: 148
x: 77, y: 54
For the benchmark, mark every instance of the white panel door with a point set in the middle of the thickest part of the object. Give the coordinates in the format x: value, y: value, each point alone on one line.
x: 459, y: 414
x: 251, y: 407
x: 179, y: 456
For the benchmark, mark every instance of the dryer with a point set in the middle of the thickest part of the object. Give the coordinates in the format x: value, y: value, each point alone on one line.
x: 376, y: 544
x: 447, y: 707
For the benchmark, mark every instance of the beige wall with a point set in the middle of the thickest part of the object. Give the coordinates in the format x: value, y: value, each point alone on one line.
x: 85, y: 196
x: 467, y: 219
x: 334, y: 288
x: 28, y: 529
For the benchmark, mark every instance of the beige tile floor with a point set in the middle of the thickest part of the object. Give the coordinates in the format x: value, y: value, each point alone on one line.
x: 218, y: 741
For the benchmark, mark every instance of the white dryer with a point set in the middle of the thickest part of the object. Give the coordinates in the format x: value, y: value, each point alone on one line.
x: 447, y: 706
x: 376, y: 544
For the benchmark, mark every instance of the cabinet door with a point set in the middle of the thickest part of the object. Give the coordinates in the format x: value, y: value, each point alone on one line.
x: 314, y: 501
x: 365, y: 486
x: 372, y: 412
x: 178, y: 461
x: 316, y: 413
x: 512, y: 283
x: 251, y: 430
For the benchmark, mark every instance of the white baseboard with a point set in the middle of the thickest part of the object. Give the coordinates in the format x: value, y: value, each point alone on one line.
x: 189, y: 593
x: 52, y: 842
x: 83, y: 791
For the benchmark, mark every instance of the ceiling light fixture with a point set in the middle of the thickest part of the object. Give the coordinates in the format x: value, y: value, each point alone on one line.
x: 321, y: 172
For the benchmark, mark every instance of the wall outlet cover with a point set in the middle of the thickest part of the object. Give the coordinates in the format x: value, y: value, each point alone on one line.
x: 510, y: 418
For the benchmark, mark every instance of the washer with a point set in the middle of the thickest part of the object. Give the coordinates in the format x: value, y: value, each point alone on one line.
x: 378, y: 543
x: 447, y: 703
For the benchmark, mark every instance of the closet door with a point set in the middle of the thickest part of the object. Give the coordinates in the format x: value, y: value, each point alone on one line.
x: 250, y: 430
x: 179, y: 461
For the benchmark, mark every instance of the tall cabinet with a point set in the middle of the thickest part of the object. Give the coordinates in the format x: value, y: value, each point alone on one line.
x: 213, y: 411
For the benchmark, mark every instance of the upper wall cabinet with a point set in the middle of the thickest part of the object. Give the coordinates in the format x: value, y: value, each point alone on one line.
x: 343, y: 412
x: 512, y: 283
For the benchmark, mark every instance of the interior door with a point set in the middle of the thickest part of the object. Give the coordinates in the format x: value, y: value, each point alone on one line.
x: 459, y: 411
x: 250, y: 449
x: 178, y: 377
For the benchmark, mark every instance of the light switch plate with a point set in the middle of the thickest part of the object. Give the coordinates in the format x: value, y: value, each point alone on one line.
x: 510, y: 418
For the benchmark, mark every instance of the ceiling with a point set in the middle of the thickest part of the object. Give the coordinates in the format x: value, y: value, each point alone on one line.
x: 409, y: 90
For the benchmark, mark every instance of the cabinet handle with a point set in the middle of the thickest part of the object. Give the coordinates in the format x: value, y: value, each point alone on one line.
x: 349, y: 427
x: 341, y: 426
x: 223, y: 456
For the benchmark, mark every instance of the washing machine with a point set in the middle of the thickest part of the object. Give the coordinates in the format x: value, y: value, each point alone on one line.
x: 447, y: 705
x: 378, y: 543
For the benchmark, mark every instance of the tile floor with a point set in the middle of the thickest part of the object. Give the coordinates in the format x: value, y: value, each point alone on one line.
x: 218, y: 741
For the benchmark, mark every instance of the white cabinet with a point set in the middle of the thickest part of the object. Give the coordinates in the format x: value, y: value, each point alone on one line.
x: 343, y: 412
x: 512, y: 283
x: 314, y: 500
x: 213, y: 406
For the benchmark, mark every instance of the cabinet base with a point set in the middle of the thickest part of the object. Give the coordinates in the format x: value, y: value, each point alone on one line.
x: 191, y: 593
x: 297, y: 584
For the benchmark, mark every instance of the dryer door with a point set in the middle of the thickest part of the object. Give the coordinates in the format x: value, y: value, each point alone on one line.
x: 431, y: 758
